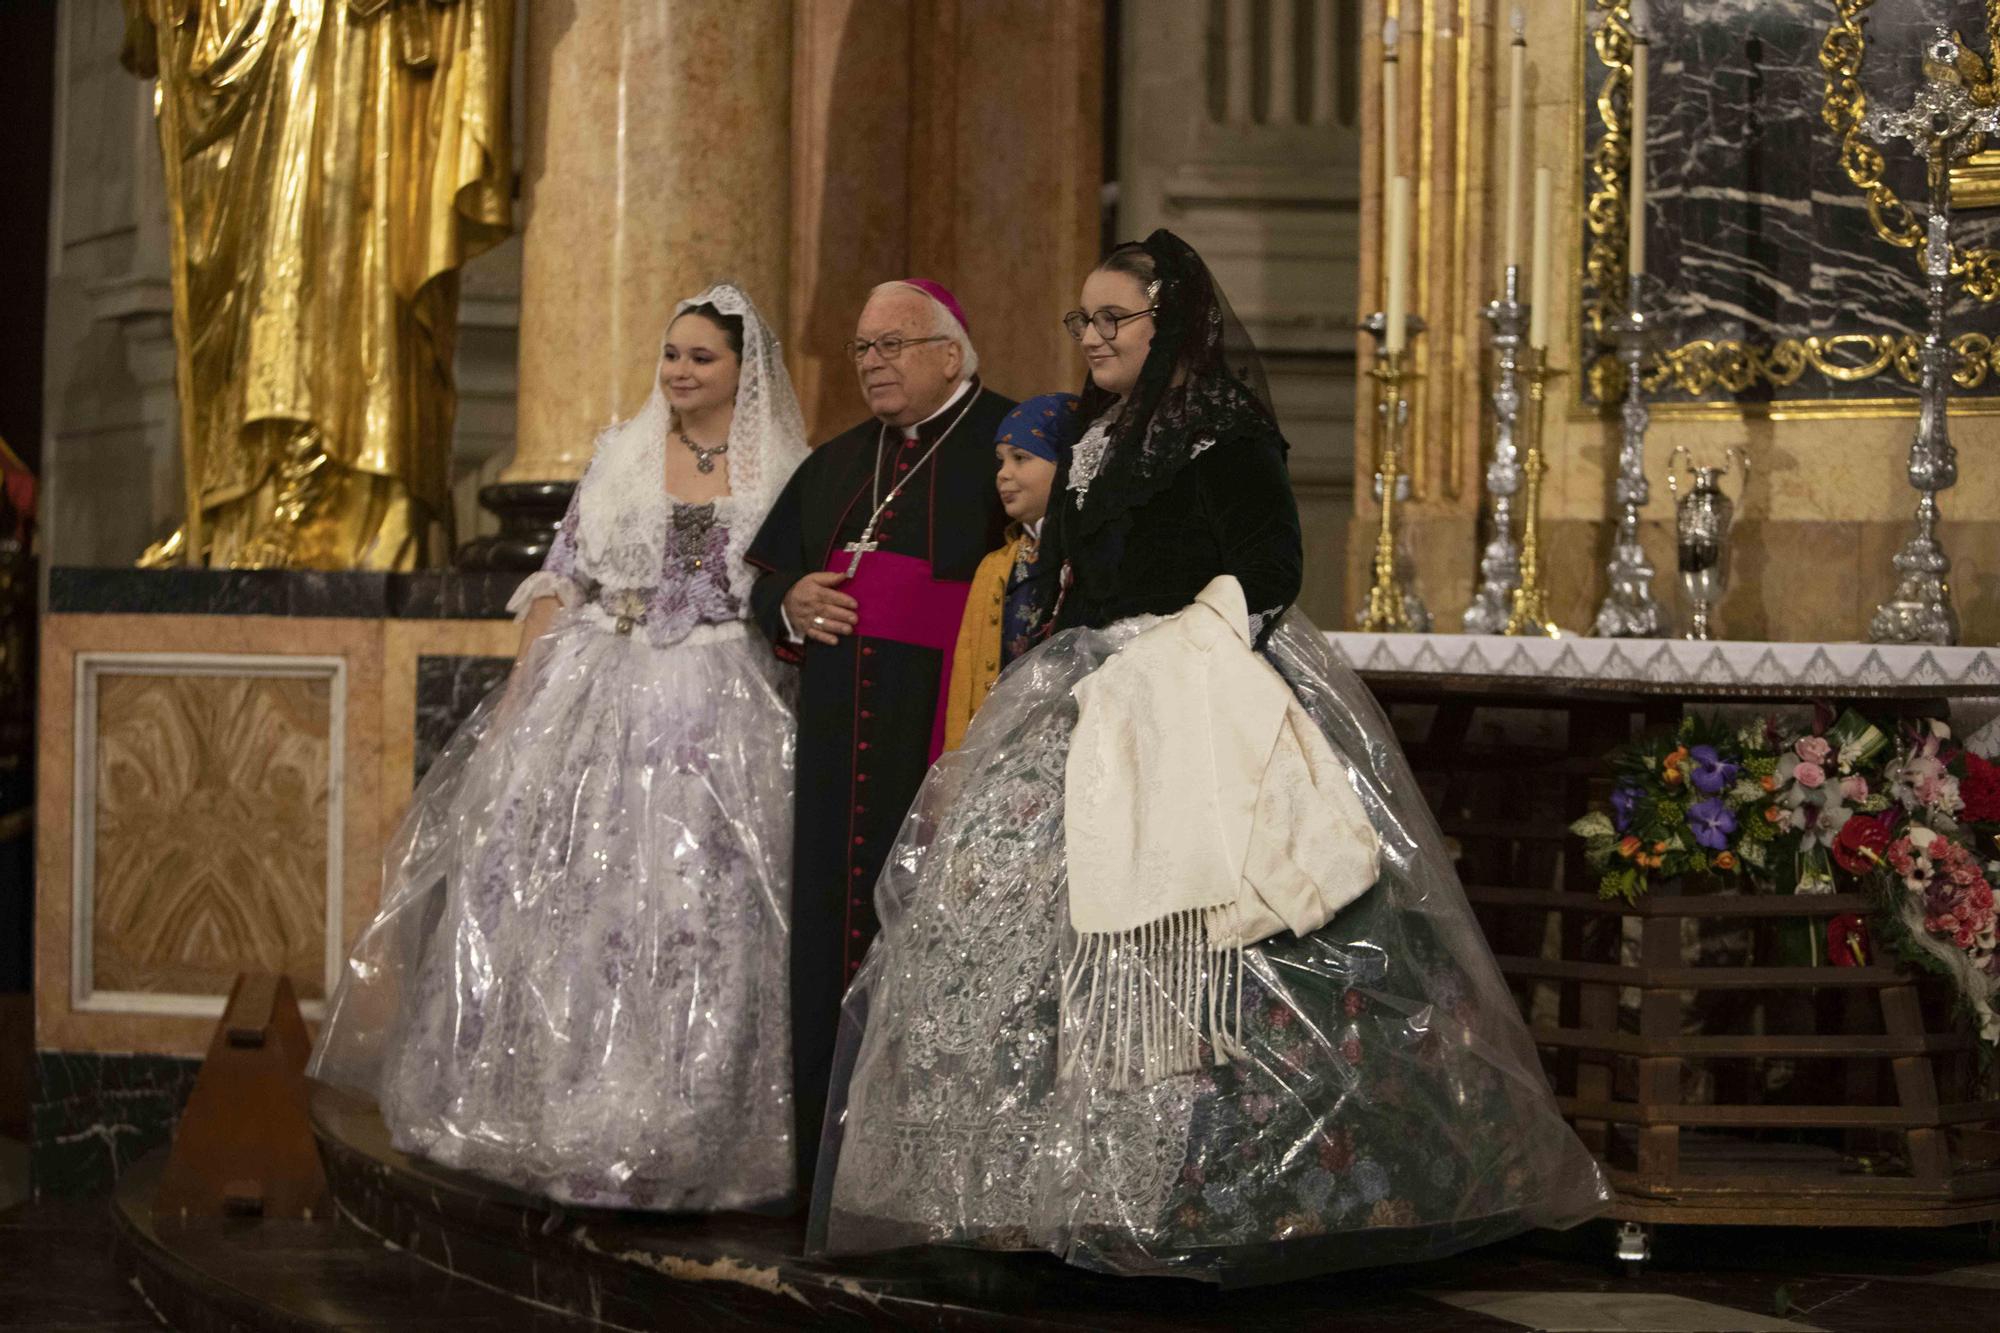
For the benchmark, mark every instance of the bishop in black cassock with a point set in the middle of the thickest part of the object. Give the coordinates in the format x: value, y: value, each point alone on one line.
x: 870, y: 703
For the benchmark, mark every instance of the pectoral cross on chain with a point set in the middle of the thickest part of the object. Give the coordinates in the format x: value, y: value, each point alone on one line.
x: 860, y: 547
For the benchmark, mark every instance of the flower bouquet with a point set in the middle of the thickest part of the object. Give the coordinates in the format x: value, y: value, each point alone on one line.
x: 1910, y: 818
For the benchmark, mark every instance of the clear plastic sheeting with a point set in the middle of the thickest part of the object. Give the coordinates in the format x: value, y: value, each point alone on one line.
x: 1388, y: 1106
x: 576, y: 983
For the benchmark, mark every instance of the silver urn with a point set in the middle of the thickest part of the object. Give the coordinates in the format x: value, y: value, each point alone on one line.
x: 1703, y: 517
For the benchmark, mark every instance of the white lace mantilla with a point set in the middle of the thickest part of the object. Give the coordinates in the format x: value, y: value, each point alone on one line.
x: 628, y: 539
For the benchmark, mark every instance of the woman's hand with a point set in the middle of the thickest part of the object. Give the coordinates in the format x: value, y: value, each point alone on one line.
x: 541, y: 614
x: 816, y: 608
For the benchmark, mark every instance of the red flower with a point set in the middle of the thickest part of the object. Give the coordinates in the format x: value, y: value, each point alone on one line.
x: 1351, y: 1050
x: 1980, y: 790
x: 1336, y: 1150
x: 1847, y: 940
x: 1862, y: 842
x: 1353, y: 1002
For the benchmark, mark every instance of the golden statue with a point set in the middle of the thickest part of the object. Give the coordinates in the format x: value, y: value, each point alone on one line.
x: 330, y: 164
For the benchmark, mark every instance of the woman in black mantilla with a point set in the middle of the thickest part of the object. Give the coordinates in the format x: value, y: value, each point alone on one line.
x: 1359, y: 1093
x: 1180, y: 475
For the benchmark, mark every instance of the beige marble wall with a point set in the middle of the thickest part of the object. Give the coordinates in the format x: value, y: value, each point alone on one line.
x: 211, y: 807
x: 210, y: 836
x: 1827, y: 504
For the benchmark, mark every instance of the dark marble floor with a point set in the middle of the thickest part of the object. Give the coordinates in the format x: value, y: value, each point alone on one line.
x: 59, y: 1271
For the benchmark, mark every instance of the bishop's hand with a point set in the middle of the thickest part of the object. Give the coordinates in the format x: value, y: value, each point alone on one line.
x: 816, y: 608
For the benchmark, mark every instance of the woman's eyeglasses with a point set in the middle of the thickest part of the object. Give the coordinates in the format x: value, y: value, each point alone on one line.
x: 890, y: 345
x: 1103, y: 321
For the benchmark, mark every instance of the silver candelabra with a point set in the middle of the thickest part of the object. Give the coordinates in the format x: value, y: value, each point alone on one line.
x: 1942, y: 123
x: 1500, y: 562
x: 1628, y: 610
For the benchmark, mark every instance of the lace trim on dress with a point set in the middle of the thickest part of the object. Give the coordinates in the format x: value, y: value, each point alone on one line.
x: 542, y: 583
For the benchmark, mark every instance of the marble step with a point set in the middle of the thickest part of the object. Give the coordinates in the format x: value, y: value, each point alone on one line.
x: 228, y: 1275
x: 658, y: 1272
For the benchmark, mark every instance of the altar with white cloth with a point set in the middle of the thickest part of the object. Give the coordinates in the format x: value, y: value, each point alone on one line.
x: 1721, y: 1076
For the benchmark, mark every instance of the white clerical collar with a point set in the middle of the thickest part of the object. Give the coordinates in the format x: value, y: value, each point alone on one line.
x: 964, y: 387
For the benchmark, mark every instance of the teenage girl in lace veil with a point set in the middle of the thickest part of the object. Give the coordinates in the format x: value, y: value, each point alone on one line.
x: 1379, y: 1098
x: 576, y: 984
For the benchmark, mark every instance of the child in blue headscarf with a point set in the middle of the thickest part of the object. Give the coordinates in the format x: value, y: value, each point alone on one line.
x: 1007, y: 611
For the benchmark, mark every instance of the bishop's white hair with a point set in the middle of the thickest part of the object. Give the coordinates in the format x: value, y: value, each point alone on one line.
x: 942, y: 321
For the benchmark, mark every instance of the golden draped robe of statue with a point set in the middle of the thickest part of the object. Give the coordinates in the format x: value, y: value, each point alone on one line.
x: 330, y: 164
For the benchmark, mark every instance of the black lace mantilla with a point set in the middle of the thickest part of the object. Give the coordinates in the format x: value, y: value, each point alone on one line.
x: 1202, y: 385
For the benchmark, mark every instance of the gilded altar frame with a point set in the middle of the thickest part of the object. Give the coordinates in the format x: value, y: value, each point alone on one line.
x: 1704, y: 366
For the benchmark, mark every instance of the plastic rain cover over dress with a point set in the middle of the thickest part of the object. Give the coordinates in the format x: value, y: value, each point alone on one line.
x: 1385, y: 1102
x: 576, y: 982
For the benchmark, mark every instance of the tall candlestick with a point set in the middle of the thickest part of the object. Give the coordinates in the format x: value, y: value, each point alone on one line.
x: 1517, y: 99
x: 1635, y: 243
x: 1530, y: 610
x: 1397, y: 259
x: 1541, y: 284
x: 1391, y: 158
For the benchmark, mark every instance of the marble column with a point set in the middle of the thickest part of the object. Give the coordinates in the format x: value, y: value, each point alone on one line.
x: 923, y: 148
x: 658, y: 160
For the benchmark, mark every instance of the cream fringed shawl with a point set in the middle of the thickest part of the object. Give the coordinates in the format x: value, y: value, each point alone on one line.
x: 1204, y: 811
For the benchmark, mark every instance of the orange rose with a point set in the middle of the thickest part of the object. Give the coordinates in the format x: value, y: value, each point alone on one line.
x: 1628, y: 847
x: 1671, y: 766
x: 1659, y: 846
x: 1773, y: 815
x: 1768, y: 782
x: 1725, y: 860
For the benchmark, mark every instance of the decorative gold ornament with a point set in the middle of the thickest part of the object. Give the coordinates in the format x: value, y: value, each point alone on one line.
x: 1975, y: 182
x: 1844, y: 106
x: 329, y: 166
x: 1392, y: 605
x: 1610, y: 164
x: 1529, y: 614
x: 1706, y: 366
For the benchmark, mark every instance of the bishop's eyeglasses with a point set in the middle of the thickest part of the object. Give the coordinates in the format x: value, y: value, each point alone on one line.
x: 890, y: 345
x: 1106, y: 323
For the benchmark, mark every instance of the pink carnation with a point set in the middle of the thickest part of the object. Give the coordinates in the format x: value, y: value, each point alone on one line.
x: 1808, y: 773
x: 1813, y: 749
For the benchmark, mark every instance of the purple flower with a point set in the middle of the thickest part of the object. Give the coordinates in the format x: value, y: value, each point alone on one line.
x: 1624, y: 800
x: 1712, y: 823
x: 1711, y: 771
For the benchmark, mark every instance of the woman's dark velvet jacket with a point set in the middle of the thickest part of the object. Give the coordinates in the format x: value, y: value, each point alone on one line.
x: 1229, y: 510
